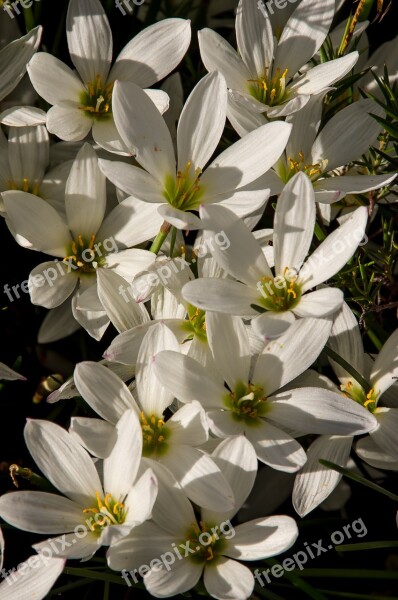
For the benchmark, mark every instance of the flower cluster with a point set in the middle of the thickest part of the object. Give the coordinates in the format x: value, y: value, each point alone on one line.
x: 232, y: 329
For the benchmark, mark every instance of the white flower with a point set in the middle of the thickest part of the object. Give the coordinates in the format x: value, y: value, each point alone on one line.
x: 284, y: 297
x: 84, y: 100
x: 265, y: 76
x: 104, y: 512
x: 176, y: 190
x: 173, y: 443
x: 87, y: 243
x: 252, y: 403
x: 316, y: 482
x: 218, y: 559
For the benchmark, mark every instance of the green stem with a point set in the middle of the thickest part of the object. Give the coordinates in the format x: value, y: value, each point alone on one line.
x: 29, y: 19
x: 367, y: 546
x: 88, y: 574
x: 173, y: 240
x: 343, y: 363
x: 298, y: 583
x: 350, y: 573
x: 32, y: 477
x: 160, y: 238
x: 359, y: 479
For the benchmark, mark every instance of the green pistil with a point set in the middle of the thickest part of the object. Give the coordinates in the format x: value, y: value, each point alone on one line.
x: 279, y: 294
x: 183, y: 191
x: 96, y: 100
x: 155, y: 435
x: 247, y: 403
x: 293, y: 165
x: 195, y: 326
x: 208, y: 544
x: 270, y: 91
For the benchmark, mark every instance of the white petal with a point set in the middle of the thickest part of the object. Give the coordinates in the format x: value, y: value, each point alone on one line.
x: 314, y: 483
x: 249, y: 266
x: 354, y: 184
x: 123, y: 314
x: 313, y: 410
x: 303, y: 34
x: 199, y: 477
x: 70, y: 546
x: 334, y: 251
x: 143, y: 130
x: 57, y: 324
x: 85, y: 195
x: 34, y: 579
x: 106, y: 135
x: 96, y: 435
x: 385, y: 368
x: 247, y: 159
x: 50, y: 284
x: 271, y: 325
x: 23, y: 116
x: 228, y: 580
x: 202, y: 121
x: 121, y: 466
x: 347, y: 135
x: 141, y: 498
x: 320, y: 77
x: 346, y: 340
x: 188, y: 425
x: 370, y: 452
x: 8, y: 374
x: 294, y: 224
x: 68, y: 123
x: 254, y: 37
x: 153, y: 53
x: 321, y: 303
x: 385, y: 435
x: 132, y: 180
x: 28, y: 153
x: 14, y: 58
x: 53, y: 80
x: 262, y: 538
x: 230, y: 346
x: 218, y: 55
x: 181, y: 577
x: 62, y: 460
x: 305, y: 123
x: 40, y: 512
x: 103, y: 390
x: 290, y: 355
x: 226, y: 296
x: 276, y: 448
x: 89, y: 39
x: 35, y: 220
x: 130, y: 223
x: 187, y: 379
x: 154, y: 398
x: 179, y: 218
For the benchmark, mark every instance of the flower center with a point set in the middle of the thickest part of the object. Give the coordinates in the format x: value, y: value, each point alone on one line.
x: 155, y: 435
x: 247, y: 403
x: 207, y: 541
x: 195, y: 325
x: 183, y: 191
x: 96, y: 100
x: 270, y: 91
x: 106, y: 512
x: 356, y: 392
x: 279, y: 293
x: 24, y: 185
x: 85, y: 256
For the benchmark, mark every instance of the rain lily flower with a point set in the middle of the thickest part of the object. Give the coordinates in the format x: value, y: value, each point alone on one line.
x: 286, y: 296
x: 92, y: 514
x: 88, y: 242
x: 316, y: 482
x: 209, y: 546
x: 252, y: 403
x: 83, y: 101
x: 177, y: 190
x: 265, y: 76
x: 173, y: 443
x: 24, y: 158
